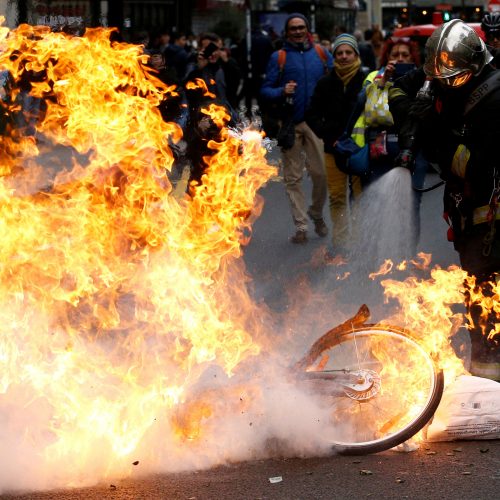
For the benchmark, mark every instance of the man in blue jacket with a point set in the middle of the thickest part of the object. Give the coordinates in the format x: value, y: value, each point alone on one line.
x: 291, y: 80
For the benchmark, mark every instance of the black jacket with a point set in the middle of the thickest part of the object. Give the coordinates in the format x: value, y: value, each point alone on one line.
x: 446, y: 127
x: 331, y: 106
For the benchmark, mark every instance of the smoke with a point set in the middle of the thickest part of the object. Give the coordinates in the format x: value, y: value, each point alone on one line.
x: 248, y: 418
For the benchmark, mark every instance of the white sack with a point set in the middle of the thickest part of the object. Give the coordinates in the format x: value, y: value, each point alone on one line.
x: 470, y: 409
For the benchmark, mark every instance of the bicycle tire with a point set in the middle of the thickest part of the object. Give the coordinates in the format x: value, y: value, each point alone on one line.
x: 425, y: 410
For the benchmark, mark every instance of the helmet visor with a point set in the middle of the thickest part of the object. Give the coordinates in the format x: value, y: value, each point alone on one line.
x: 456, y: 80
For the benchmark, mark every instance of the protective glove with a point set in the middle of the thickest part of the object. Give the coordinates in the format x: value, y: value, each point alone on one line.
x: 422, y: 107
x: 405, y: 159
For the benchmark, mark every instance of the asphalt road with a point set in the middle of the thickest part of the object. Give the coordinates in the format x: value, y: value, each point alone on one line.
x: 464, y: 470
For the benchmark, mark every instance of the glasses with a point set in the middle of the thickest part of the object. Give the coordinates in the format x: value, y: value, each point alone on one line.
x: 297, y: 28
x: 404, y: 39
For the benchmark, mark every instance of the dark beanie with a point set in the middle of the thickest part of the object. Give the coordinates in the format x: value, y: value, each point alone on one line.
x: 294, y: 16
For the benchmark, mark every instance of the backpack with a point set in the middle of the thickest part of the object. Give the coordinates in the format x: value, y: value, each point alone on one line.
x: 282, y: 59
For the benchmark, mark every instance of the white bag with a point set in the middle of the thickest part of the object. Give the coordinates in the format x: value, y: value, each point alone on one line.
x: 470, y: 409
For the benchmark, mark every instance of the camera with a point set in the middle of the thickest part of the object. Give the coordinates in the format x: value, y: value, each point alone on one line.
x: 209, y: 50
x: 401, y: 69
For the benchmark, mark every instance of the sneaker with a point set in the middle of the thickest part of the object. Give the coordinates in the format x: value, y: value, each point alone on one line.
x: 299, y: 237
x: 320, y: 227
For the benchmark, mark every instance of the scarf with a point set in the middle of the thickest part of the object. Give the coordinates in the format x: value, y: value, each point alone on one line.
x: 346, y: 71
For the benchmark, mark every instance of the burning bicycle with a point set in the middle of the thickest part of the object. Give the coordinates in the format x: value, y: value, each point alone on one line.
x: 382, y: 404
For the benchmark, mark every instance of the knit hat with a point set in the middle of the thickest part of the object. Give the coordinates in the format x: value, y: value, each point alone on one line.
x: 294, y: 16
x: 345, y: 39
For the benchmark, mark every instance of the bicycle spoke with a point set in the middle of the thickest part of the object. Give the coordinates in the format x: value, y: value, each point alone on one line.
x: 383, y: 402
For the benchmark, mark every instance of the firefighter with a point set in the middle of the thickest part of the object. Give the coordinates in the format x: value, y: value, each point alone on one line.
x: 450, y: 108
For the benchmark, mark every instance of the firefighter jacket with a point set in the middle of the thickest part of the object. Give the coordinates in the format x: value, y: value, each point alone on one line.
x: 463, y: 144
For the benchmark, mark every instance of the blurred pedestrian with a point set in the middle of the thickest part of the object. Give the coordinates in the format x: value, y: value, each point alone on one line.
x: 290, y: 82
x: 204, y: 85
x: 377, y: 42
x: 261, y: 49
x: 366, y: 53
x: 232, y: 76
x: 327, y: 44
x: 176, y: 55
x: 158, y: 40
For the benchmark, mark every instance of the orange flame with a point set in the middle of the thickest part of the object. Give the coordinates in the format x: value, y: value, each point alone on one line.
x: 485, y: 299
x: 426, y: 311
x: 384, y: 269
x: 115, y: 294
x: 200, y: 84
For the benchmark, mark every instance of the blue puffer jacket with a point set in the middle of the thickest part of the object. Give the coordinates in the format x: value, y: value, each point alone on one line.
x: 304, y: 67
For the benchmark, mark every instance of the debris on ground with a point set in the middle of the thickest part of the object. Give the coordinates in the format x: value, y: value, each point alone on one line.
x: 276, y: 479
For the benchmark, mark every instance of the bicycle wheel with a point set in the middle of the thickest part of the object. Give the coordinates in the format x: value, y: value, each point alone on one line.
x: 381, y: 385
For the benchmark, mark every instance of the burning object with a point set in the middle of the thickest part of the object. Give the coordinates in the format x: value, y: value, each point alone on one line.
x: 117, y: 298
x: 114, y: 295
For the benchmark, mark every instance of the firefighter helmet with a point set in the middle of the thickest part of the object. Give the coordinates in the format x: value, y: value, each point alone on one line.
x: 454, y: 53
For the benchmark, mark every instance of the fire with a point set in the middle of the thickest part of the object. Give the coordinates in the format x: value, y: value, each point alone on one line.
x: 486, y: 299
x: 115, y: 295
x: 426, y: 310
x: 200, y: 84
x: 384, y: 269
x: 118, y: 298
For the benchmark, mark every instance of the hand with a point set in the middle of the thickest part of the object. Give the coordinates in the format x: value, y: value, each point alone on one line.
x: 224, y: 55
x: 405, y: 159
x: 388, y: 72
x: 422, y: 107
x: 202, y: 60
x: 290, y: 87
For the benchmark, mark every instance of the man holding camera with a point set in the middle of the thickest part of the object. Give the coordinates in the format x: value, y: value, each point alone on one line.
x: 290, y: 81
x: 204, y: 85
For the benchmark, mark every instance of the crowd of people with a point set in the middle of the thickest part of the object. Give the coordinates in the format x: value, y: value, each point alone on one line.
x: 401, y: 112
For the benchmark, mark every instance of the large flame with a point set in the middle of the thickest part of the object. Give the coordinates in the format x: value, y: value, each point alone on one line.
x: 114, y: 294
x: 118, y: 299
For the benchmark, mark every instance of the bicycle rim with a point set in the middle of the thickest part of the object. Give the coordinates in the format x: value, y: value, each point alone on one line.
x: 395, y: 391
